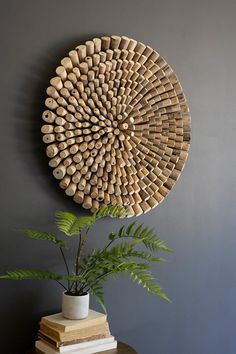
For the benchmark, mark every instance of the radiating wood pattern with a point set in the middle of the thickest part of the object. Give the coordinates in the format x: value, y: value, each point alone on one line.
x: 117, y: 125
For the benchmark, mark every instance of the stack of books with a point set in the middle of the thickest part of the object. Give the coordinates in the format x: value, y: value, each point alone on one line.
x: 60, y: 335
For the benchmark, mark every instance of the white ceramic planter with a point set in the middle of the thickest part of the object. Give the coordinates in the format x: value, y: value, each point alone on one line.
x: 75, y: 307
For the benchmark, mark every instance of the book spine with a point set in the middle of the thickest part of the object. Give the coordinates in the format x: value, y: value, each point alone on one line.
x: 97, y: 349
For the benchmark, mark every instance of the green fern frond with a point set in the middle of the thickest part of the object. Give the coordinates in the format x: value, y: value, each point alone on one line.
x: 146, y: 256
x: 162, y: 246
x: 65, y: 221
x: 119, y: 256
x: 108, y: 262
x: 100, y: 274
x: 138, y: 231
x: 73, y: 277
x: 155, y: 244
x: 70, y: 224
x: 130, y: 228
x: 112, y: 211
x: 39, y: 235
x: 146, y: 235
x: 110, y: 258
x: 145, y: 278
x: 125, y: 250
x: 121, y: 250
x: 21, y: 274
x: 97, y: 291
x: 139, y: 273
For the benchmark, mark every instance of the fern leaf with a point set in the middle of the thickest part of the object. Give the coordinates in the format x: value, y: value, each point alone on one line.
x: 97, y: 291
x: 145, y: 235
x: 70, y: 224
x: 138, y: 230
x: 112, y: 211
x: 38, y: 235
x: 155, y: 244
x: 119, y: 251
x: 21, y: 274
x: 130, y: 228
x: 109, y: 259
x: 164, y: 248
x: 65, y: 221
x: 73, y: 277
x: 146, y: 256
x: 145, y: 278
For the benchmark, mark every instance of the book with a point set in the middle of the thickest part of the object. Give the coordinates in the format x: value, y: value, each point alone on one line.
x: 45, y: 348
x: 57, y: 344
x: 83, y: 345
x: 100, y: 329
x: 62, y: 324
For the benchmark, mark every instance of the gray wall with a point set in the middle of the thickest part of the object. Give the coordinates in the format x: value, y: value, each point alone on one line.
x: 197, y: 220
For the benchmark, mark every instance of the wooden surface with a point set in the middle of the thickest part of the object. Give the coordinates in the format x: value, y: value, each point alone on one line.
x: 121, y: 349
x: 117, y: 125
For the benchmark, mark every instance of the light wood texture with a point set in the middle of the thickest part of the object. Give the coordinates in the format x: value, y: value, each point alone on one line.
x: 117, y: 125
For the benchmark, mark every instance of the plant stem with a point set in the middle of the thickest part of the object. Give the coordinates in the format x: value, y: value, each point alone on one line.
x: 76, y: 261
x: 61, y: 284
x: 66, y: 265
x: 108, y: 245
x: 71, y: 286
x: 78, y: 255
x: 82, y: 244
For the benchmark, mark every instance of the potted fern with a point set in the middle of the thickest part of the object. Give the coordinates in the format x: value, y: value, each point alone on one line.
x: 121, y: 254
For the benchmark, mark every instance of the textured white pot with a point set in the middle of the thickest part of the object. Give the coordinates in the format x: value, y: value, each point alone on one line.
x: 75, y: 307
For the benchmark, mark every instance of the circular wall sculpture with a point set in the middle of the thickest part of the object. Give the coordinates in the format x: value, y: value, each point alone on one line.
x: 117, y: 125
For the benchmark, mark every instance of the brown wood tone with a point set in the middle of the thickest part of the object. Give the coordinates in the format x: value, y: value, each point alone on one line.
x: 117, y: 125
x: 122, y: 348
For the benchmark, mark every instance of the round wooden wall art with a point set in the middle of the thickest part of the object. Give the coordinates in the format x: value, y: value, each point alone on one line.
x: 117, y: 125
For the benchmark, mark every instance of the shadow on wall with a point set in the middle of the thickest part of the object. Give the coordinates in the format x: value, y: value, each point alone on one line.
x: 21, y: 315
x: 28, y: 108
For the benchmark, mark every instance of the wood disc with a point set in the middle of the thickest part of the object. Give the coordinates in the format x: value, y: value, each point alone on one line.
x: 117, y: 125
